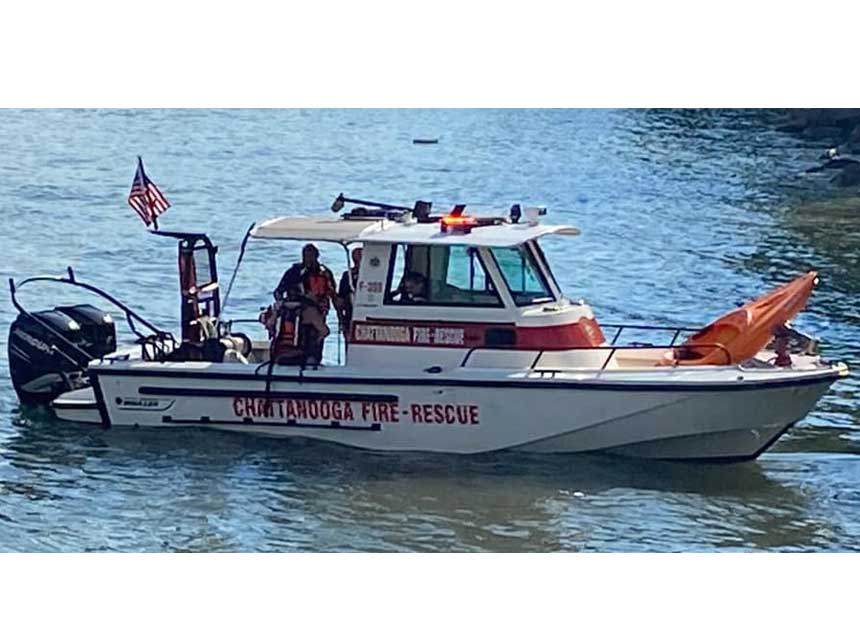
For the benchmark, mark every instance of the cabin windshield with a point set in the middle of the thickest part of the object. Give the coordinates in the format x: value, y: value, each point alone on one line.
x: 438, y: 275
x: 523, y: 275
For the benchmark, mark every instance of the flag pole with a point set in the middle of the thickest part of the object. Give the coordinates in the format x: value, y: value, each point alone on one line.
x: 143, y: 173
x: 146, y: 198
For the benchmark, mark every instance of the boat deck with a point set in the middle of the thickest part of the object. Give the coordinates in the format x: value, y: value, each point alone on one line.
x: 636, y: 367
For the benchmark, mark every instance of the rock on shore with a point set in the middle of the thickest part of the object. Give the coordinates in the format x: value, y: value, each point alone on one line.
x: 833, y: 127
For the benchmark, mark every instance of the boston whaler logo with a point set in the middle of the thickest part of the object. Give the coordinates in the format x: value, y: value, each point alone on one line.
x: 33, y: 342
x: 143, y: 404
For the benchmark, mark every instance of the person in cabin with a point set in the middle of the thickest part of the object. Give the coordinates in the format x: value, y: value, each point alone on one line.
x: 311, y: 283
x: 413, y: 288
x: 346, y: 287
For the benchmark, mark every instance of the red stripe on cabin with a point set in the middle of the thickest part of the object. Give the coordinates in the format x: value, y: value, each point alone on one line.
x: 583, y: 333
x: 466, y: 335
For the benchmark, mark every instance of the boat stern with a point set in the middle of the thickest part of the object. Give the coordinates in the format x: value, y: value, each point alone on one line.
x: 79, y: 405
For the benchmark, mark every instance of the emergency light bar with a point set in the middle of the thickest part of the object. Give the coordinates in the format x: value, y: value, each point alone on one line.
x: 454, y: 223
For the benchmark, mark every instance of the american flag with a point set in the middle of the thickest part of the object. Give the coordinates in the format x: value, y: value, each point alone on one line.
x: 145, y: 197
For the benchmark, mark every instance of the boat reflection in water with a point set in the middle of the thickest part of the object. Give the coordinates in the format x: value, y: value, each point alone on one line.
x: 306, y: 495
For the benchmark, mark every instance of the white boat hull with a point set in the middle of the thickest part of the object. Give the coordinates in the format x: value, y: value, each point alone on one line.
x: 699, y: 415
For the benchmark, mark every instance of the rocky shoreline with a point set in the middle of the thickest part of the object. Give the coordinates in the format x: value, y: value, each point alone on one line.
x: 833, y: 129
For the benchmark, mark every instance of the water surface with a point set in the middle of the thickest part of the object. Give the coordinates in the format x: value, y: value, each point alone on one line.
x: 684, y: 214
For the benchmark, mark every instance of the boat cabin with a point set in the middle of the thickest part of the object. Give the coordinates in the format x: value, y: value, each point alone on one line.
x: 464, y: 286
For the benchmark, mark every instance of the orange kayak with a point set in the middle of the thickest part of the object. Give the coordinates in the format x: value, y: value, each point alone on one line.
x: 742, y: 333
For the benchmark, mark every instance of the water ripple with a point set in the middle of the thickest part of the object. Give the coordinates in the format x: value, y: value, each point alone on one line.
x: 683, y: 213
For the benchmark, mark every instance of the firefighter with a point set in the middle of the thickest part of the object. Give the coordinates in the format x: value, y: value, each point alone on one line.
x: 346, y: 288
x: 311, y: 283
x: 413, y: 288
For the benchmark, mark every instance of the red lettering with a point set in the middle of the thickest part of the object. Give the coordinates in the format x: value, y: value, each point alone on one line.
x: 450, y: 414
x: 382, y: 412
x: 264, y: 408
x: 437, y: 413
x: 463, y: 414
x: 341, y: 411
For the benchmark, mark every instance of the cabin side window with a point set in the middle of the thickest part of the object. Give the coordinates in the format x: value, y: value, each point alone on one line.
x: 438, y: 275
x: 202, y: 268
x: 523, y: 275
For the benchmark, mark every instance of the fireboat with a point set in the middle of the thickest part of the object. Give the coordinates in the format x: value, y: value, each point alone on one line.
x: 491, y: 356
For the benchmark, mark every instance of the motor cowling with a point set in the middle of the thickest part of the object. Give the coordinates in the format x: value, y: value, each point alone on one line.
x: 97, y: 328
x: 49, y: 351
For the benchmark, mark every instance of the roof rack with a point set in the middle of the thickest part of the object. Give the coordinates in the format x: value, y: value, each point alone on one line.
x: 420, y: 210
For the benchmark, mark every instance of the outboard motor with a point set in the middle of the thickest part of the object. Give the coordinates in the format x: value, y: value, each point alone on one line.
x: 97, y: 328
x: 49, y: 350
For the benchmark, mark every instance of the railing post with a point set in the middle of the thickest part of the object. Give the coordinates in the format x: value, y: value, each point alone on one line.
x: 608, y: 358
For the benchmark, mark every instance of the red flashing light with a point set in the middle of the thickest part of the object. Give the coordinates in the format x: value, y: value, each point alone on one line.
x: 458, y: 223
